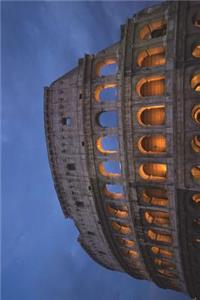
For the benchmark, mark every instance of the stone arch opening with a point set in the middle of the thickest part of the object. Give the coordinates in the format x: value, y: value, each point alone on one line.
x: 126, y: 242
x: 195, y: 171
x: 114, y: 191
x: 195, y: 143
x: 196, y: 198
x: 130, y: 253
x: 151, y: 115
x: 106, y: 67
x: 196, y: 50
x: 159, y: 237
x: 166, y: 273
x: 152, y: 144
x: 195, y: 82
x: 117, y: 211
x: 160, y: 251
x: 151, y: 86
x: 164, y: 264
x: 110, y: 168
x: 158, y: 218
x: 107, y: 119
x: 153, y: 30
x: 151, y: 57
x: 107, y: 144
x: 153, y: 171
x: 196, y: 20
x: 196, y: 114
x: 120, y: 228
x: 155, y: 196
x: 106, y: 92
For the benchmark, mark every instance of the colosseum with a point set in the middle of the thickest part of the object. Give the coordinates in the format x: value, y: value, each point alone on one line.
x: 123, y: 138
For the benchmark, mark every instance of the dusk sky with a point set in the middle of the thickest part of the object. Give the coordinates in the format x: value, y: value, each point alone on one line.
x: 41, y: 258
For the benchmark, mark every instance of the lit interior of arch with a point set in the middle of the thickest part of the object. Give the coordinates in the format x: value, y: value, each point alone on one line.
x: 153, y: 171
x: 126, y: 242
x: 196, y: 113
x: 153, y: 29
x: 110, y: 168
x: 151, y: 115
x: 196, y: 51
x: 196, y: 198
x: 152, y: 144
x: 155, y: 196
x: 114, y: 191
x: 130, y: 253
x: 106, y: 67
x: 161, y: 251
x: 195, y: 82
x: 106, y: 92
x: 151, y: 57
x: 151, y: 86
x: 156, y: 217
x: 117, y: 211
x: 195, y: 171
x: 120, y: 228
x: 195, y: 143
x: 159, y: 237
x: 107, y: 144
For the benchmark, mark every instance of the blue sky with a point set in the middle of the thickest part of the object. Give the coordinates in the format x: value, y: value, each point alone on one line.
x: 41, y: 258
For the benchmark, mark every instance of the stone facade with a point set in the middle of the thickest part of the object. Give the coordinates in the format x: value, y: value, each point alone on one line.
x: 150, y: 227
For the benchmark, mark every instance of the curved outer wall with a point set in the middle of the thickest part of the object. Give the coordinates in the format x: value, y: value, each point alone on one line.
x: 156, y: 239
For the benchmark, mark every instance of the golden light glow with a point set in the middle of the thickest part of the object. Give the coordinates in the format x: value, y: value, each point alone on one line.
x: 100, y: 147
x: 196, y: 198
x: 106, y: 173
x: 196, y: 114
x: 153, y: 171
x: 160, y: 251
x: 100, y: 87
x: 195, y: 171
x: 196, y: 51
x: 124, y: 229
x: 156, y: 217
x: 126, y: 243
x: 151, y: 115
x: 102, y: 64
x: 155, y: 236
x: 152, y: 144
x: 113, y: 195
x: 164, y: 264
x: 195, y: 143
x: 166, y: 273
x: 195, y: 82
x: 152, y: 30
x: 155, y: 197
x: 130, y: 253
x: 118, y: 213
x: 151, y: 57
x: 151, y: 86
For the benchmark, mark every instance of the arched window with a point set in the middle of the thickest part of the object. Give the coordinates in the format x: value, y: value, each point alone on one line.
x: 151, y: 115
x: 152, y: 30
x: 161, y: 251
x: 151, y: 86
x: 196, y: 20
x: 157, y: 236
x: 110, y: 168
x: 151, y: 57
x: 114, y: 191
x: 195, y: 171
x: 155, y: 196
x: 106, y: 68
x: 196, y: 50
x: 126, y: 242
x: 107, y: 144
x: 108, y: 119
x: 120, y: 228
x: 117, y: 211
x: 130, y: 253
x: 153, y: 171
x: 164, y: 264
x: 152, y: 144
x: 195, y: 82
x: 196, y: 114
x: 106, y: 92
x: 195, y: 143
x: 158, y: 218
x: 167, y: 273
x: 196, y: 198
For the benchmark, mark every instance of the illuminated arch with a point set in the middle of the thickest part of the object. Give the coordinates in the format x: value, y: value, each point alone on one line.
x: 156, y: 217
x: 130, y: 253
x: 151, y: 115
x: 151, y: 57
x: 126, y: 242
x: 151, y: 86
x: 164, y: 264
x: 105, y: 88
x: 196, y: 20
x: 196, y: 113
x: 153, y: 30
x: 152, y: 144
x: 114, y: 191
x: 195, y: 171
x: 166, y: 273
x: 159, y: 237
x: 107, y: 119
x: 110, y: 168
x: 107, y: 144
x: 195, y: 82
x: 120, y: 228
x: 116, y: 211
x: 155, y: 196
x: 196, y: 198
x: 153, y: 171
x: 196, y: 50
x: 161, y: 251
x: 106, y: 67
x: 195, y: 143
